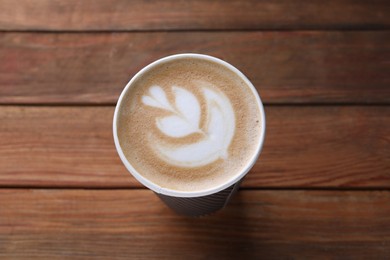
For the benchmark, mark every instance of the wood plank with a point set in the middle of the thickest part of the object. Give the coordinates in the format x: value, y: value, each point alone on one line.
x: 256, y: 225
x: 194, y: 14
x: 60, y: 146
x: 292, y: 67
x: 306, y: 146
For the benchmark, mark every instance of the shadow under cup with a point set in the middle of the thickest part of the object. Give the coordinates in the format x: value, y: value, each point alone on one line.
x: 193, y: 203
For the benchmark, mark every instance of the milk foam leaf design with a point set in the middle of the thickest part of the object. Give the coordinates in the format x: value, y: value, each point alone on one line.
x: 221, y: 118
x: 175, y: 126
x: 188, y: 106
x: 186, y: 112
x: 217, y: 134
x: 157, y: 99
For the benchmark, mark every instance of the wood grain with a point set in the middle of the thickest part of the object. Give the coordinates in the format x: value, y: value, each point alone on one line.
x: 195, y: 14
x: 306, y: 146
x: 286, y: 67
x: 256, y: 225
x: 60, y: 146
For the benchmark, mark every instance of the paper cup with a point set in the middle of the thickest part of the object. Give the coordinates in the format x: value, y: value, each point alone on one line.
x: 193, y: 203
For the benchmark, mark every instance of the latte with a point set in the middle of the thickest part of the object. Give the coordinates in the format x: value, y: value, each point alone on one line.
x: 189, y: 124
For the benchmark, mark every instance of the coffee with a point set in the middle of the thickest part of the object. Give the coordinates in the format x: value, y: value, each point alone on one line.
x: 189, y: 124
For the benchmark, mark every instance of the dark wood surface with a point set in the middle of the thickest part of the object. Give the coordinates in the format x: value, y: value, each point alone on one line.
x: 286, y: 67
x: 192, y: 14
x: 320, y: 190
x: 306, y: 146
x: 257, y: 225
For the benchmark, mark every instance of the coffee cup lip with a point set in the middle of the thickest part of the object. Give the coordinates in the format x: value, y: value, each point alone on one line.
x: 189, y: 194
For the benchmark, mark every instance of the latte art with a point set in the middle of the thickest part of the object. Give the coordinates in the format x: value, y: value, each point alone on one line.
x: 189, y: 124
x: 184, y: 120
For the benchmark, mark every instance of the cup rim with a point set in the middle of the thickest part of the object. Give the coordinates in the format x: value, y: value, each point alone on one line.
x: 189, y: 194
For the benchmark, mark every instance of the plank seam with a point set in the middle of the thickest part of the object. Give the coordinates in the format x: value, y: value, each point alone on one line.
x: 286, y: 104
x: 314, y: 29
x: 352, y: 189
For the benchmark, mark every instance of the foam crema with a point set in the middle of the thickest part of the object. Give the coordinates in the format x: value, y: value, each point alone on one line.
x: 189, y: 124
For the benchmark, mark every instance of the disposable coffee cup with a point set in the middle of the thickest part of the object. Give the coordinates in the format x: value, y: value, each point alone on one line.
x: 193, y: 203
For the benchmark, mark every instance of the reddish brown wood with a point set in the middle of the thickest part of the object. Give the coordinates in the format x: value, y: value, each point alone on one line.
x: 183, y: 14
x: 292, y: 67
x: 307, y: 146
x: 327, y: 147
x: 59, y: 146
x: 256, y: 225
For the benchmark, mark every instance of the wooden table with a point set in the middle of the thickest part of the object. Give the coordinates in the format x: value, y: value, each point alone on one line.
x: 321, y: 188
